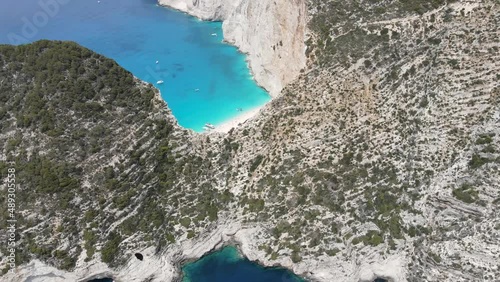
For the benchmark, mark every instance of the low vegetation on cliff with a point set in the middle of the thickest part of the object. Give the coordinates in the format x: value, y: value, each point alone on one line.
x: 385, y: 146
x: 97, y: 156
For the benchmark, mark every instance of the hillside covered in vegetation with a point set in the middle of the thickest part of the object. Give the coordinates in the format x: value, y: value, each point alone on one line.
x: 380, y: 160
x: 95, y: 150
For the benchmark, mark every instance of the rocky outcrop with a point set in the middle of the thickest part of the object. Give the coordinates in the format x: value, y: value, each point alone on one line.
x: 271, y: 33
x: 165, y: 266
x: 155, y: 266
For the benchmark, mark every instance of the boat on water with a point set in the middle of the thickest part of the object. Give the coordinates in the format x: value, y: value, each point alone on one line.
x: 159, y: 82
x: 214, y: 34
x: 239, y: 109
x: 209, y: 126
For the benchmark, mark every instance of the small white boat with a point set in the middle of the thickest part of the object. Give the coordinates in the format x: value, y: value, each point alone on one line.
x: 209, y: 125
x: 197, y: 89
x: 214, y: 34
x: 159, y: 82
x: 157, y: 62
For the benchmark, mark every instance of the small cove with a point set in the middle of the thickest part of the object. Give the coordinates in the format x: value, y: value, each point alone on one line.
x: 227, y: 265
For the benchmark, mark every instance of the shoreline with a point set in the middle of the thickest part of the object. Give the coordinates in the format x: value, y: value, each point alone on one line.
x: 165, y: 267
x: 273, y: 94
x: 227, y: 125
x: 271, y: 68
x: 236, y: 121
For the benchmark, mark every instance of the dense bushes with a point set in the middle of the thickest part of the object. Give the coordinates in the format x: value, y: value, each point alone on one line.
x: 372, y: 238
x: 63, y: 75
x: 477, y: 161
x: 110, y: 249
x: 70, y: 108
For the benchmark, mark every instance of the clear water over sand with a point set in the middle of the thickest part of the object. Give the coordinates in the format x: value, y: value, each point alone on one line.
x: 204, y: 80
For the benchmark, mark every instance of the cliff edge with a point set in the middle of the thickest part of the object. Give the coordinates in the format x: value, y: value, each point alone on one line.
x: 271, y: 33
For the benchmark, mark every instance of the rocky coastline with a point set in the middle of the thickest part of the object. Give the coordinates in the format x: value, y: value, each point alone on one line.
x: 166, y: 266
x: 381, y: 162
x: 272, y: 35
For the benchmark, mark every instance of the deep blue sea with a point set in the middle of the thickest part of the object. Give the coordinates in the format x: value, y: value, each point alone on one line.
x: 205, y: 80
x: 227, y: 265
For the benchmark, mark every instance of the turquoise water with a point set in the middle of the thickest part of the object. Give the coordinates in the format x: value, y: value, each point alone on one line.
x: 204, y: 79
x: 227, y: 265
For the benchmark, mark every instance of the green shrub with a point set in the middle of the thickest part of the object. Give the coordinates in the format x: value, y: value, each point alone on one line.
x: 484, y: 139
x: 185, y: 221
x: 435, y: 257
x: 466, y: 193
x: 477, y: 161
x: 110, y: 249
x: 296, y: 258
x: 256, y: 162
x: 332, y: 252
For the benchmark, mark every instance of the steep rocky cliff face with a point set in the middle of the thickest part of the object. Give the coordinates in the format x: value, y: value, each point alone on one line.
x: 271, y: 33
x: 382, y: 159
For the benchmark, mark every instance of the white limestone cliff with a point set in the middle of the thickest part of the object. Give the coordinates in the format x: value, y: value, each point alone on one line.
x: 165, y: 266
x: 271, y: 33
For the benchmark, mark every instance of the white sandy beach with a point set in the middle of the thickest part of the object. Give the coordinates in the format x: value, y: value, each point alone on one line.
x: 234, y: 122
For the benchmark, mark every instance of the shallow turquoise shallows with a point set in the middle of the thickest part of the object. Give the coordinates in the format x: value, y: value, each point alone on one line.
x: 227, y: 265
x: 204, y: 80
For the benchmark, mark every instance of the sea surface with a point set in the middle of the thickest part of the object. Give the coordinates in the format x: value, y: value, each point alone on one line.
x: 226, y: 265
x: 205, y: 80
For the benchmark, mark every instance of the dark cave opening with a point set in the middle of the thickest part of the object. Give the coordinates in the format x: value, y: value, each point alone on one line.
x: 139, y: 256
